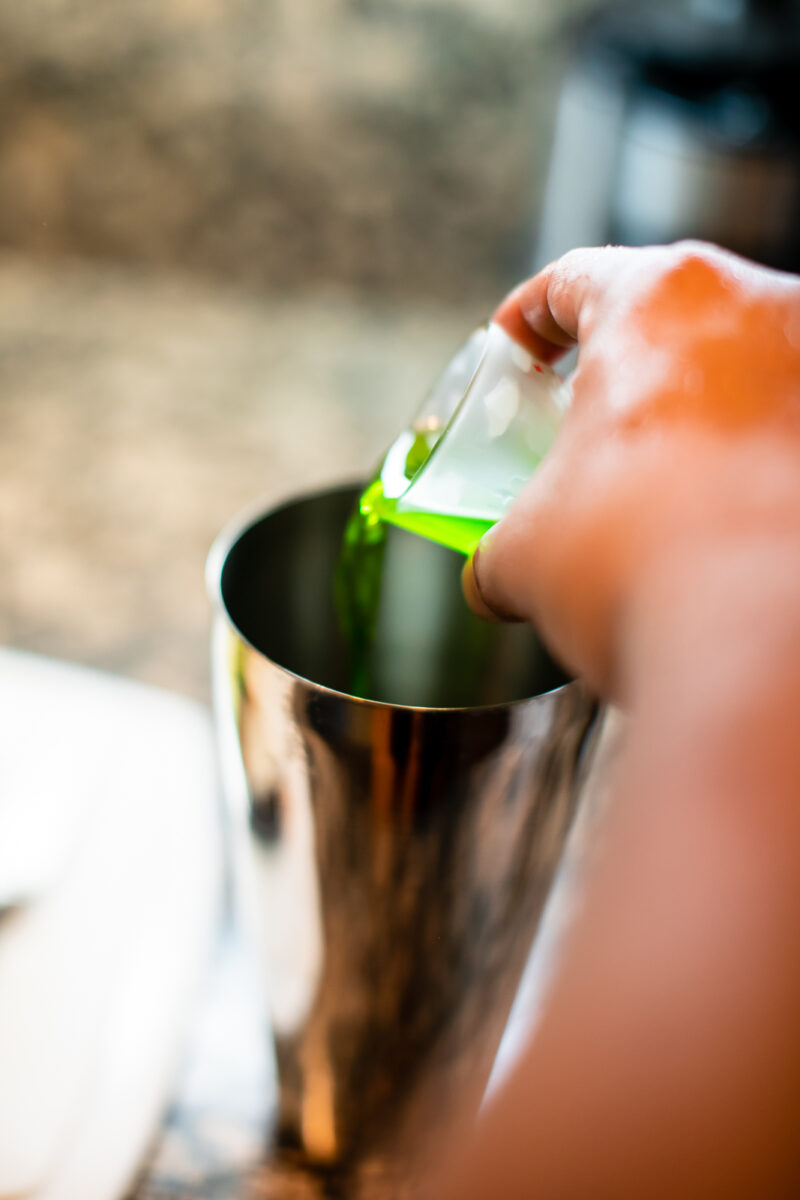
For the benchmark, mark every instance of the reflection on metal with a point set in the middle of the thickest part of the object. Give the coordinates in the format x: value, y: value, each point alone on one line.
x: 399, y: 874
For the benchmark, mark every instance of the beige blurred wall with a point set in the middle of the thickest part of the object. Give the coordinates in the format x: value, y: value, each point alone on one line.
x: 393, y: 144
x: 237, y: 242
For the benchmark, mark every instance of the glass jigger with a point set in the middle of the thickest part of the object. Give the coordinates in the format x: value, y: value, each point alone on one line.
x: 481, y: 433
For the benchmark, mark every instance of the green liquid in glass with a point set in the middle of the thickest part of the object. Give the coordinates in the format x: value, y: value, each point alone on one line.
x: 455, y: 532
x: 359, y: 574
x: 357, y: 592
x: 458, y: 533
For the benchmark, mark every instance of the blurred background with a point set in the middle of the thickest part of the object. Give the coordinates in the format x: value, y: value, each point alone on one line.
x: 238, y: 238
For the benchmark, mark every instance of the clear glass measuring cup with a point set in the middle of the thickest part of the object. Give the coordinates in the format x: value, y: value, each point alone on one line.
x: 479, y: 436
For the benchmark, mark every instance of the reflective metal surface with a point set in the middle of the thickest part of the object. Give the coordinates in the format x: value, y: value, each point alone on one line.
x: 399, y: 857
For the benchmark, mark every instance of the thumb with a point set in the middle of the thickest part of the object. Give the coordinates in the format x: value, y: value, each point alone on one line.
x: 499, y: 580
x: 473, y: 587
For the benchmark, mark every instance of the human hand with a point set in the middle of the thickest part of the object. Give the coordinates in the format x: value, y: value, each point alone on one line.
x: 657, y: 549
x: 683, y: 437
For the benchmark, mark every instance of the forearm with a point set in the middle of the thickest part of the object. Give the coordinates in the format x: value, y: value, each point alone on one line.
x: 667, y: 1060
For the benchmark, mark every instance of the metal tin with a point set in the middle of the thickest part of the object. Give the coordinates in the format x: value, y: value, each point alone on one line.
x: 398, y: 857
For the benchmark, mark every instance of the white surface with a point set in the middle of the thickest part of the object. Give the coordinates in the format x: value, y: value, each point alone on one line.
x: 42, y: 817
x: 97, y: 974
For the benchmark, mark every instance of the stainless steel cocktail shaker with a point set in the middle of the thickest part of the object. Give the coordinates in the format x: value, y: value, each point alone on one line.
x: 399, y: 853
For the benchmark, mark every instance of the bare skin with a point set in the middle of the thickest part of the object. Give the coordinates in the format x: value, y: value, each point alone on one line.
x: 658, y: 551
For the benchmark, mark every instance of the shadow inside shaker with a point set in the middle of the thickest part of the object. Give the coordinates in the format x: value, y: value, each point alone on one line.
x: 429, y: 651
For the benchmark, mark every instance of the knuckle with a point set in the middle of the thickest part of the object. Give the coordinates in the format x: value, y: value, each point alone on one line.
x: 690, y: 276
x: 567, y: 273
x: 692, y: 261
x: 559, y: 287
x: 694, y: 249
x: 580, y: 277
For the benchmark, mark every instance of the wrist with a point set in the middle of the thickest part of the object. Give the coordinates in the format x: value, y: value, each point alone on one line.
x: 722, y: 613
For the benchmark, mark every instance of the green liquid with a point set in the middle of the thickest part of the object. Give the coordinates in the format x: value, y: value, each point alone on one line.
x: 357, y: 585
x: 398, y: 468
x: 457, y: 533
x: 357, y: 592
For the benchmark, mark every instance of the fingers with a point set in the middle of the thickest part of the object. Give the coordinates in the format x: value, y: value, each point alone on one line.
x: 605, y: 501
x: 547, y: 314
x: 524, y: 569
x: 548, y: 343
x: 500, y: 579
x: 472, y: 583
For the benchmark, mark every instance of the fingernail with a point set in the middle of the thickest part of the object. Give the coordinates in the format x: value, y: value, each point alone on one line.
x: 472, y: 591
x: 473, y: 570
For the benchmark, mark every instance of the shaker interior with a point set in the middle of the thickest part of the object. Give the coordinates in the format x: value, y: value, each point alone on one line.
x: 428, y: 650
